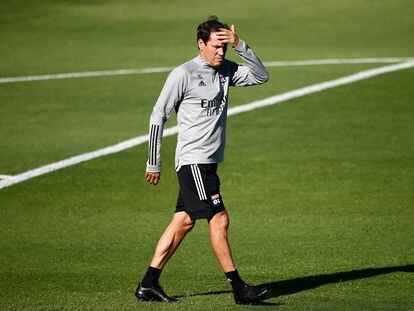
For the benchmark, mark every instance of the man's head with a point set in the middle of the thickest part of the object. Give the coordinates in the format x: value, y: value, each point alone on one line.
x: 210, y: 47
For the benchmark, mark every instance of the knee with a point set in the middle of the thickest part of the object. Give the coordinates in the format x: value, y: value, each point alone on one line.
x: 221, y: 221
x: 186, y: 224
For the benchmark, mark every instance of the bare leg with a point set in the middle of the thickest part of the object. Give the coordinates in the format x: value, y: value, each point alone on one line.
x: 179, y: 226
x: 219, y: 242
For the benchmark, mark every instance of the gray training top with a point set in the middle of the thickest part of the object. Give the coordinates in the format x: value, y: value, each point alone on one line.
x: 199, y: 94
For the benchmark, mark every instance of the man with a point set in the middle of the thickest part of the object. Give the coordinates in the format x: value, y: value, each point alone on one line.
x: 198, y: 92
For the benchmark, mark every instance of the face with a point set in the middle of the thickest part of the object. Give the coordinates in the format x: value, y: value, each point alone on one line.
x: 214, y: 51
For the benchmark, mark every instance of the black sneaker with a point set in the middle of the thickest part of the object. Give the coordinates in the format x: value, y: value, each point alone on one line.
x: 155, y: 293
x: 251, y: 294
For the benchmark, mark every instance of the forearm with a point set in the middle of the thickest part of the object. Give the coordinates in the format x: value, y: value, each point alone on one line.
x: 256, y: 72
x: 170, y: 95
x: 156, y: 128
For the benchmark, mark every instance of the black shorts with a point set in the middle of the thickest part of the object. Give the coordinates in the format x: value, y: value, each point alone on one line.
x: 199, y: 194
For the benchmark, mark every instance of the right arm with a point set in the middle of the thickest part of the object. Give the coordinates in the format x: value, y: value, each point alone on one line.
x: 171, y: 95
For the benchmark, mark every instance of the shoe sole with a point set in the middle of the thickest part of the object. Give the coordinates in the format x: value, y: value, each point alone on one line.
x: 145, y: 298
x: 263, y: 295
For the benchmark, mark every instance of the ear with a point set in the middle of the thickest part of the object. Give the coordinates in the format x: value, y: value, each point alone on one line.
x: 200, y: 44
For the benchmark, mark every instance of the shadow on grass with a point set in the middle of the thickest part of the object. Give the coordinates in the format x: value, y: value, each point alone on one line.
x: 288, y: 287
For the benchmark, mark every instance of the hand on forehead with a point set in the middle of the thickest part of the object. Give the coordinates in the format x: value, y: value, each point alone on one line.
x: 216, y: 37
x: 213, y: 36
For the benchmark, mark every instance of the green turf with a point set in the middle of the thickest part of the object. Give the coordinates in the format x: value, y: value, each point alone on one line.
x: 319, y: 189
x: 51, y: 36
x: 53, y: 120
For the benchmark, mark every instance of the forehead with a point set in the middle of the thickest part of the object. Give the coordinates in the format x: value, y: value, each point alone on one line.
x: 213, y: 40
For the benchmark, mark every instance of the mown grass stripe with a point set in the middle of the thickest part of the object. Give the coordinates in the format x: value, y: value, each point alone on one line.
x: 235, y: 110
x: 118, y: 72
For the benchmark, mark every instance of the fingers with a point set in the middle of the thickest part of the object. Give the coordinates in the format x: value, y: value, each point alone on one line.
x: 224, y: 33
x: 231, y: 31
x: 152, y: 177
x: 228, y: 35
x: 224, y: 37
x: 224, y: 40
x: 154, y: 180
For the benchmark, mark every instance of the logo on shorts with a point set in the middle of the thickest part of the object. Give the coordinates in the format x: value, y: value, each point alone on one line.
x: 216, y: 199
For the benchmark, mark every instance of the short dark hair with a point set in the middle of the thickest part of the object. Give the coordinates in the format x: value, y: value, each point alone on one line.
x: 212, y: 24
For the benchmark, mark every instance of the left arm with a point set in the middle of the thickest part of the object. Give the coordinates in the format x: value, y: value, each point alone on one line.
x: 252, y: 72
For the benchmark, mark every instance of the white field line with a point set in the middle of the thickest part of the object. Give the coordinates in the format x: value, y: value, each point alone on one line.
x: 5, y: 176
x: 338, y: 61
x: 319, y: 87
x: 232, y: 111
x: 167, y: 69
x: 86, y: 74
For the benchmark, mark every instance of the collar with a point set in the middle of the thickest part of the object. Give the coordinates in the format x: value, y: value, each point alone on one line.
x: 204, y: 63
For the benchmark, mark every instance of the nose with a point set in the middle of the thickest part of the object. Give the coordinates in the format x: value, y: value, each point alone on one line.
x: 220, y: 51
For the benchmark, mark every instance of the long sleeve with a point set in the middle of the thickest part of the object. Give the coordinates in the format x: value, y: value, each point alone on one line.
x: 252, y: 72
x: 170, y: 97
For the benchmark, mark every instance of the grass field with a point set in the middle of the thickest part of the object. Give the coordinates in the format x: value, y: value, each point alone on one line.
x: 320, y: 189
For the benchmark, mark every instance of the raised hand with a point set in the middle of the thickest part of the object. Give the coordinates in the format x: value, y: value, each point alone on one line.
x: 228, y: 36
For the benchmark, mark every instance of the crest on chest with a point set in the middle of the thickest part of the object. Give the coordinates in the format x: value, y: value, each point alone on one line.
x: 222, y: 78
